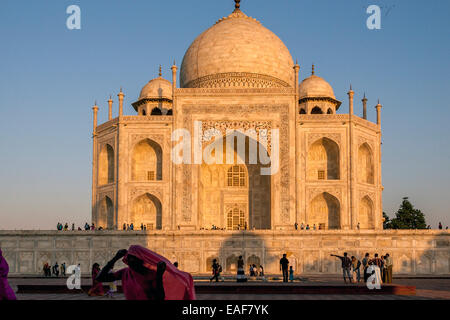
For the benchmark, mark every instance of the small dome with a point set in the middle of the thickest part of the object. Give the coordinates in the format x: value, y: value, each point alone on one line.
x: 158, y: 88
x: 315, y: 87
x: 238, y: 52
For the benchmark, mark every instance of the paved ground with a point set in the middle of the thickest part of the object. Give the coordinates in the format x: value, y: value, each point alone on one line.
x: 425, y: 289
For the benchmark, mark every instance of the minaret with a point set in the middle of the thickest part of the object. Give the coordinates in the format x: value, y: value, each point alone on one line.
x: 174, y: 78
x: 364, y: 101
x: 350, y: 101
x: 352, y: 222
x: 296, y: 70
x: 121, y: 95
x: 110, y: 102
x: 95, y: 109
x: 378, y: 107
x: 94, y: 163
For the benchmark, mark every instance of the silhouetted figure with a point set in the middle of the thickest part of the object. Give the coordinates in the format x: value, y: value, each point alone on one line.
x: 284, y: 266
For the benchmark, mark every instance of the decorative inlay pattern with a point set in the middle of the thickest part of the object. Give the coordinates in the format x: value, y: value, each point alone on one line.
x: 237, y: 79
x: 313, y: 137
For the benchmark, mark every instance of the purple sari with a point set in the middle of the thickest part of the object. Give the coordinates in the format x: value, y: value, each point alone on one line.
x: 6, y: 293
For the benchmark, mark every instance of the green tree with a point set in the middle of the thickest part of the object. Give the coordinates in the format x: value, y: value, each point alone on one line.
x: 407, y: 217
x: 386, y: 221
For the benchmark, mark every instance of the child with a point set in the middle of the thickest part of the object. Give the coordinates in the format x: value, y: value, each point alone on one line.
x: 291, y: 274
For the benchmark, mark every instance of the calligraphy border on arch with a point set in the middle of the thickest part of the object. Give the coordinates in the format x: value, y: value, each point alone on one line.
x: 241, y: 112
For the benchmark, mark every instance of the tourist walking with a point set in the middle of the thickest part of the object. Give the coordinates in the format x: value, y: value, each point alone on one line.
x: 284, y: 266
x: 6, y: 292
x: 142, y: 279
x: 356, y: 264
x: 346, y: 266
x: 215, y: 271
x: 365, y: 263
x: 440, y: 226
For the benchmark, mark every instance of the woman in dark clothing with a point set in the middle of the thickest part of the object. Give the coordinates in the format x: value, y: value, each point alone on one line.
x: 148, y: 276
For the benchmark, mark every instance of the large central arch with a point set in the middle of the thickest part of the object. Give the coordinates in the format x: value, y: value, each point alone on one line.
x: 240, y: 184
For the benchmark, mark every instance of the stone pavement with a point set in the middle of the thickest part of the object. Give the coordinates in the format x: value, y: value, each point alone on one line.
x: 434, y: 288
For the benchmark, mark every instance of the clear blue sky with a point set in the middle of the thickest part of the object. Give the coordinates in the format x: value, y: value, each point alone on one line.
x: 50, y: 77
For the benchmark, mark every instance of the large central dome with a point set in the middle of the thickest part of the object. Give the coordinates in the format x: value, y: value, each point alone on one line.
x: 237, y: 52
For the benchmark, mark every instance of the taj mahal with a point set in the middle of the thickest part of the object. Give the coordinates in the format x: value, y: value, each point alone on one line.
x: 239, y: 80
x: 236, y: 76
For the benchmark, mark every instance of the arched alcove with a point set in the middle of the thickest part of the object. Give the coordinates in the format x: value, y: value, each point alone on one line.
x: 365, y: 164
x: 106, y: 165
x: 316, y: 110
x: 146, y: 209
x: 366, y: 214
x: 324, y: 211
x: 302, y: 111
x: 106, y: 214
x: 146, y: 161
x: 323, y: 160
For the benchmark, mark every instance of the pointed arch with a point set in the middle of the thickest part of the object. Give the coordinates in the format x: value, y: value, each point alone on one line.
x: 237, y: 181
x: 323, y: 160
x: 316, y: 110
x: 366, y: 213
x: 146, y: 161
x: 365, y: 164
x: 302, y: 111
x: 146, y: 209
x: 106, y: 165
x: 106, y: 214
x: 329, y: 111
x: 324, y: 211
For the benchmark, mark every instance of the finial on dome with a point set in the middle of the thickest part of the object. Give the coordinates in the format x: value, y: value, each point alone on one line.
x: 160, y: 74
x: 237, y: 4
x: 312, y: 69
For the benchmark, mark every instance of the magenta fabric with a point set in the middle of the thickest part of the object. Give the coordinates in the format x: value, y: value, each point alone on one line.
x: 97, y: 287
x: 6, y: 293
x: 178, y: 285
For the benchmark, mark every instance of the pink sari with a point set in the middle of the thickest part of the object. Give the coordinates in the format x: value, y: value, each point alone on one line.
x: 178, y: 285
x: 6, y: 293
x: 97, y: 287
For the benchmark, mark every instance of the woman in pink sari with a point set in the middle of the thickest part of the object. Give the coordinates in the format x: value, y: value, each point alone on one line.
x: 149, y: 276
x: 97, y: 287
x: 6, y: 293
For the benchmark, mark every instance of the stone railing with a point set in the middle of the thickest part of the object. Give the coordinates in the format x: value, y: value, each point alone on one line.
x: 414, y: 252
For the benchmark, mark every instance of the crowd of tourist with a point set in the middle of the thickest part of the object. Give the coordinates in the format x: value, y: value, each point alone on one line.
x: 55, y: 270
x: 87, y: 227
